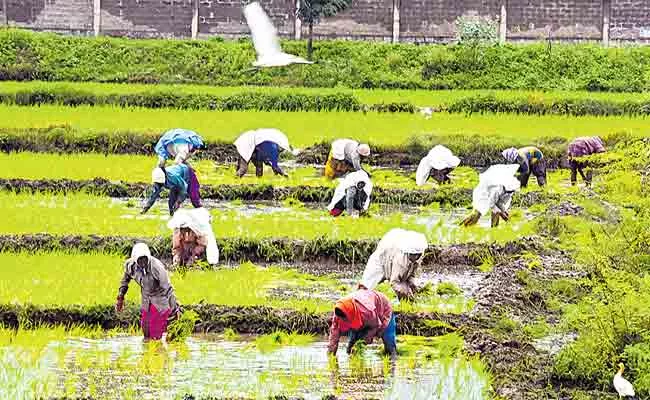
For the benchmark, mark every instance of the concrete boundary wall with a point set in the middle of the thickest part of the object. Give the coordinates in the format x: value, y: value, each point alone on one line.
x: 420, y: 21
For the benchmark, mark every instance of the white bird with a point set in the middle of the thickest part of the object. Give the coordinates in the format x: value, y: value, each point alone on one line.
x: 622, y: 385
x: 426, y: 111
x: 265, y: 40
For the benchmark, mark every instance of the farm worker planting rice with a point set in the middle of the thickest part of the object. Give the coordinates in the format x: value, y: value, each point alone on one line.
x: 363, y: 315
x: 158, y: 298
x: 345, y: 156
x: 438, y: 164
x: 530, y: 160
x: 352, y: 195
x: 494, y: 192
x: 178, y: 144
x: 583, y: 147
x: 396, y: 259
x: 193, y: 237
x: 181, y: 182
x: 261, y: 146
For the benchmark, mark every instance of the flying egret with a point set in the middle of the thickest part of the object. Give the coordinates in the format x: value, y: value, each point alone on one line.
x: 622, y: 385
x: 265, y: 40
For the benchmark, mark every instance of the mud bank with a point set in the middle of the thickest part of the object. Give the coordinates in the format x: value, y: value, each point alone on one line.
x: 214, y: 319
x: 313, y: 256
x: 455, y: 197
x: 474, y: 150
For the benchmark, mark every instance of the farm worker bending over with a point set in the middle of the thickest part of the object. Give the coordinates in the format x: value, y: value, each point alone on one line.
x: 193, y: 237
x: 158, y: 298
x: 178, y: 144
x: 363, y: 315
x: 262, y: 146
x: 582, y: 147
x: 530, y: 160
x: 438, y: 164
x: 181, y: 182
x: 345, y: 156
x: 396, y: 259
x: 494, y: 192
x: 352, y: 195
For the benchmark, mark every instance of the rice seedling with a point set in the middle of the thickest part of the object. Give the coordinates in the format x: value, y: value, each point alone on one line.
x: 307, y: 128
x: 366, y: 96
x: 81, y: 213
x: 75, y: 278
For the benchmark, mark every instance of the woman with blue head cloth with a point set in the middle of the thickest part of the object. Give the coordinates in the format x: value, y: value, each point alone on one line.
x: 178, y: 144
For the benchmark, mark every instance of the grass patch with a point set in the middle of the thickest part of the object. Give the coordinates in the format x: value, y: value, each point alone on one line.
x: 307, y: 128
x: 90, y: 279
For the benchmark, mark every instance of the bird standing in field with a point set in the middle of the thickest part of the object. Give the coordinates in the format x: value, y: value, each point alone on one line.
x: 622, y: 385
x: 266, y: 41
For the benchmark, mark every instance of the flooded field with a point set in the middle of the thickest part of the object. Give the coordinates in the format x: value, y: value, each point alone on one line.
x: 125, y: 367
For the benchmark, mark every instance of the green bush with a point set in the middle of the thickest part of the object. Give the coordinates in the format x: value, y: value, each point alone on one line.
x: 562, y: 106
x: 29, y: 56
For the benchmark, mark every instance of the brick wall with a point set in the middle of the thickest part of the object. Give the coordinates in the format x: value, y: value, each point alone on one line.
x: 72, y: 15
x: 630, y: 20
x: 571, y: 19
x: 147, y: 18
x: 226, y: 16
x: 364, y: 18
x: 436, y: 18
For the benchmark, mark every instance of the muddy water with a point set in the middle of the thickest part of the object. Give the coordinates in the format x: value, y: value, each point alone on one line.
x: 430, y: 219
x: 124, y: 367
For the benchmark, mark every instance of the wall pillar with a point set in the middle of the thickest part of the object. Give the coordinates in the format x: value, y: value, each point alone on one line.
x: 97, y: 17
x: 607, y: 13
x: 503, y: 22
x: 396, y: 20
x: 297, y: 23
x: 5, y: 17
x: 195, y: 19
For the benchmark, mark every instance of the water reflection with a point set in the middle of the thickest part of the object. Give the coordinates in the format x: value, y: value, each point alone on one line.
x: 125, y: 367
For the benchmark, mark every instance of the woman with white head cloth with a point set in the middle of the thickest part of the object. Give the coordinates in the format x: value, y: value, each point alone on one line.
x: 345, y: 156
x: 193, y: 237
x: 438, y: 164
x: 352, y: 195
x: 261, y: 146
x: 396, y: 259
x: 158, y: 299
x: 494, y: 192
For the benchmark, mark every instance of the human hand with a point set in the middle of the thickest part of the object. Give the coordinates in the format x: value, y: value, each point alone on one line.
x: 119, y: 304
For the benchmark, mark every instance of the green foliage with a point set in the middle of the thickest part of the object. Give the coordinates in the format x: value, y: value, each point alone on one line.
x: 29, y: 56
x: 275, y: 340
x: 448, y: 289
x: 182, y: 328
x: 230, y: 334
x: 476, y: 30
x: 540, y: 105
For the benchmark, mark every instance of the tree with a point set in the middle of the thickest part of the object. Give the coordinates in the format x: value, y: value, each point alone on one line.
x: 311, y: 11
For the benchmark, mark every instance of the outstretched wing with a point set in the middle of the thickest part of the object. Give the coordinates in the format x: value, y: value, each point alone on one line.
x: 265, y: 36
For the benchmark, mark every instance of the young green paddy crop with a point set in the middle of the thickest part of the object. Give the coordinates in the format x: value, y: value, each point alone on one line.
x: 86, y: 214
x: 132, y: 168
x: 366, y: 96
x: 307, y: 128
x: 65, y: 364
x: 57, y: 278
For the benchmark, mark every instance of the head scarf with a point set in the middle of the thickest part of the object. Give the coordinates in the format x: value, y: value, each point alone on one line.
x: 351, y: 311
x: 411, y: 242
x: 140, y: 250
x: 510, y: 154
x: 364, y: 150
x: 441, y: 157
